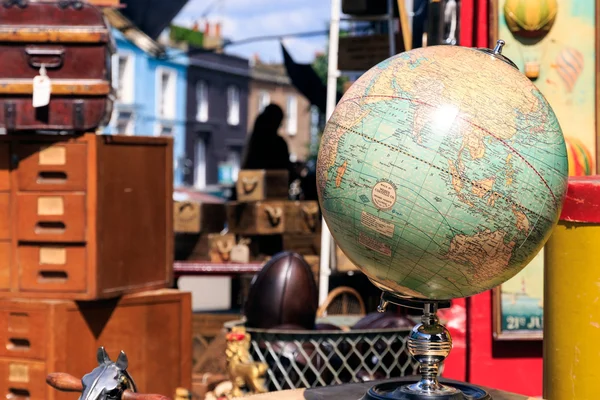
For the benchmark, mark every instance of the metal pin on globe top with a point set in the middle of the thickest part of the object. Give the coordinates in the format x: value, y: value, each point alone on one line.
x: 441, y: 174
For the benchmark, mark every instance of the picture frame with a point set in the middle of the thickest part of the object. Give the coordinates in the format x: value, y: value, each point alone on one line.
x: 574, y: 94
x: 517, y: 305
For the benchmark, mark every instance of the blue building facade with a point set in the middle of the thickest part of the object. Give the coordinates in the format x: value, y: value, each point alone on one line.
x: 151, y: 96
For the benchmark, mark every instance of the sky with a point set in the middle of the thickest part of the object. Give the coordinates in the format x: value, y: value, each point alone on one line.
x: 242, y: 19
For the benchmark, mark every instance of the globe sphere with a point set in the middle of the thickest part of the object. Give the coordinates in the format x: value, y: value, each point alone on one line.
x: 442, y: 172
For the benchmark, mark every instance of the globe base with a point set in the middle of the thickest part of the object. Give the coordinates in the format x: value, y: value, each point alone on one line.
x: 429, y: 344
x: 402, y: 391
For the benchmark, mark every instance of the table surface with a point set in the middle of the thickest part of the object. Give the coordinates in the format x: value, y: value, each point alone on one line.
x: 355, y: 391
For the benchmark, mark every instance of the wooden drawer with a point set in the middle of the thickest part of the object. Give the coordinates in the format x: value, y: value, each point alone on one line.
x: 23, y: 380
x: 51, y: 166
x: 5, y: 215
x: 52, y: 268
x: 260, y: 218
x: 302, y: 217
x: 256, y: 185
x: 23, y: 334
x: 51, y: 217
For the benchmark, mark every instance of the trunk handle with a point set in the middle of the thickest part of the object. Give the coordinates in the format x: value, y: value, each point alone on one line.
x: 56, y: 55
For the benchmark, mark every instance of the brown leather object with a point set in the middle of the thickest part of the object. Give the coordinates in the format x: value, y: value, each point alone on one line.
x: 73, y: 42
x: 377, y: 320
x: 283, y: 292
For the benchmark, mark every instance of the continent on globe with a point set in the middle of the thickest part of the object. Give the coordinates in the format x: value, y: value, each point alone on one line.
x: 442, y: 172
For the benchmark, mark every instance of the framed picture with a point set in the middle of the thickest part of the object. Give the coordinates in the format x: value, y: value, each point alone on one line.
x: 518, y: 304
x: 550, y: 42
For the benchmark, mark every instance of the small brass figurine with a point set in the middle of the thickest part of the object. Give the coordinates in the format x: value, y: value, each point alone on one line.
x: 242, y: 371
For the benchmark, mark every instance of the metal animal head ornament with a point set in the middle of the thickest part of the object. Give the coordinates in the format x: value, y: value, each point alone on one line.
x: 108, y: 380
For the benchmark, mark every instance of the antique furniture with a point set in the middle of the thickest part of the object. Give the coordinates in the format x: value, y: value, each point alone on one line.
x: 43, y: 336
x: 56, y: 66
x: 85, y: 218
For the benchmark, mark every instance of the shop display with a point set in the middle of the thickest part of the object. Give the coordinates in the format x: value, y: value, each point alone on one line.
x: 459, y: 187
x: 55, y: 73
x: 78, y: 221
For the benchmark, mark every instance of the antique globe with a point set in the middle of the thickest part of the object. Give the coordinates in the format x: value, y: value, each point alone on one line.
x: 442, y: 172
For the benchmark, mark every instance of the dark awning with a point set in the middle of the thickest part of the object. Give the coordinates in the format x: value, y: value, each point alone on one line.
x: 305, y: 79
x: 152, y: 16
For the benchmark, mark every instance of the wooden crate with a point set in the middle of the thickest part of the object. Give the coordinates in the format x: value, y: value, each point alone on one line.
x: 302, y: 217
x: 195, y: 217
x: 43, y: 336
x: 258, y: 218
x: 85, y: 218
x: 257, y: 185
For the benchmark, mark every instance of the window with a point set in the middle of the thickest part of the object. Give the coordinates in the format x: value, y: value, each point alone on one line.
x: 123, y: 77
x: 164, y: 130
x: 234, y: 159
x: 200, y: 164
x: 166, y: 82
x: 201, y: 101
x: 263, y: 100
x: 124, y: 123
x: 292, y: 115
x: 233, y: 105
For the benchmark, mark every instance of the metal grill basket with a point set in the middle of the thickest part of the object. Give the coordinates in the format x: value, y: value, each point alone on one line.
x: 305, y: 359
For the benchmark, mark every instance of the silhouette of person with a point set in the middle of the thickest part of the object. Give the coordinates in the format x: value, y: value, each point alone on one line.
x: 265, y: 148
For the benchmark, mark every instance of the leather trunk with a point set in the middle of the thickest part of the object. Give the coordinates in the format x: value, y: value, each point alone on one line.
x: 73, y: 43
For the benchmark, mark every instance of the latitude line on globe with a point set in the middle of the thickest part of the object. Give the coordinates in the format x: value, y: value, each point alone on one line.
x: 463, y: 119
x: 439, y: 169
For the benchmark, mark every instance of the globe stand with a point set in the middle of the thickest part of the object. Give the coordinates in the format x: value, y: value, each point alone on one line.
x: 429, y: 344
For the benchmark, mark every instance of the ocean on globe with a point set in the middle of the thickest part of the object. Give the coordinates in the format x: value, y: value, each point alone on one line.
x: 442, y: 172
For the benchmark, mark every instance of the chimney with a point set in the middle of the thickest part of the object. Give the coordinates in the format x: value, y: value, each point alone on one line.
x: 195, y: 26
x: 207, y: 29
x: 218, y: 30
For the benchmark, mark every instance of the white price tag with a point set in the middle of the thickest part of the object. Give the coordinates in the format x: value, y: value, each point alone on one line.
x: 42, y: 87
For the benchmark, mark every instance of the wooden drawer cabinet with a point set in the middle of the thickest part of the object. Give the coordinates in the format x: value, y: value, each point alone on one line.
x: 153, y: 328
x: 85, y: 218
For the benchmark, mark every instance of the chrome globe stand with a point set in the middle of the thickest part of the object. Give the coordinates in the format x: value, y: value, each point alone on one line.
x: 429, y: 344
